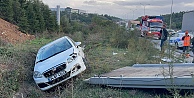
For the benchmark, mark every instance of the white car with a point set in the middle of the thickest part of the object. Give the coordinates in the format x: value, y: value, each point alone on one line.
x: 176, y: 39
x: 171, y: 31
x: 57, y: 62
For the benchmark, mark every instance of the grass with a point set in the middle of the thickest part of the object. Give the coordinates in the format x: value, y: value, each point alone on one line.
x: 99, y: 54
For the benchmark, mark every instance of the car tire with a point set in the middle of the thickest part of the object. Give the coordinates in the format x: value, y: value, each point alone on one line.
x: 88, y: 67
x: 176, y: 45
x: 85, y: 61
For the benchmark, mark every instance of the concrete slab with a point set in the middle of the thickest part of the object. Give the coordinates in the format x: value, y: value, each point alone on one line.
x: 147, y: 76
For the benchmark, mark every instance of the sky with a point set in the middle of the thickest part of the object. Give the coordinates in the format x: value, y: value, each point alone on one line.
x: 125, y: 9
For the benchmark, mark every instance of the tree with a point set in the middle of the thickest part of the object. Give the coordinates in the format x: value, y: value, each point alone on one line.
x: 176, y: 20
x: 6, y: 10
x: 49, y: 19
x: 23, y: 3
x: 16, y: 11
x: 23, y: 22
x: 39, y: 16
x: 31, y: 16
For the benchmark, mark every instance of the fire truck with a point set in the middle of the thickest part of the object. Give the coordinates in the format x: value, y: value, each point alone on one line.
x: 150, y: 26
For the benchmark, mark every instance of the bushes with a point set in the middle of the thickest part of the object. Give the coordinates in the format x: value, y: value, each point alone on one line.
x: 119, y: 38
x: 3, y: 42
x: 101, y: 40
x: 19, y: 61
x: 9, y: 83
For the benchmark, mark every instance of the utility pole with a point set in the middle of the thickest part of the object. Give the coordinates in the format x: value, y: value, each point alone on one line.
x: 58, y: 16
x: 133, y: 12
x: 171, y: 16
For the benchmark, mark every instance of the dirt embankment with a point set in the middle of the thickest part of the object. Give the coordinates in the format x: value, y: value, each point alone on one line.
x: 9, y: 33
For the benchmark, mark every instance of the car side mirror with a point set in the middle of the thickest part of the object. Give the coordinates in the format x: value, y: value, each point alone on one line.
x: 77, y: 43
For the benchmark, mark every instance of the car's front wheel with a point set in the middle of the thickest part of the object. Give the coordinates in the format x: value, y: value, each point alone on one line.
x: 85, y: 61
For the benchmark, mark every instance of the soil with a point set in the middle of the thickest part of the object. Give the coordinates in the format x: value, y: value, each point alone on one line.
x: 9, y: 33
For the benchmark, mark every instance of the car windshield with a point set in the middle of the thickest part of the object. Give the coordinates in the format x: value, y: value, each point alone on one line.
x: 52, y: 49
x: 155, y: 29
x: 155, y: 24
x: 178, y: 35
x: 171, y: 31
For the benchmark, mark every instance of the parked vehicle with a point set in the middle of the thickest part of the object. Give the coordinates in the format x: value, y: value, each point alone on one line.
x: 151, y: 26
x: 171, y: 31
x: 176, y: 39
x: 57, y: 62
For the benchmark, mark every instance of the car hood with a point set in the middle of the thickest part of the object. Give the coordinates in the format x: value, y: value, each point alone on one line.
x: 53, y: 61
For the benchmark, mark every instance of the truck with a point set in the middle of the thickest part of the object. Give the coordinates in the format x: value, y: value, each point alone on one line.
x: 188, y: 22
x: 150, y: 26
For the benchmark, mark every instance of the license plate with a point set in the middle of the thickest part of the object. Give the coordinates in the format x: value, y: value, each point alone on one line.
x: 57, y: 75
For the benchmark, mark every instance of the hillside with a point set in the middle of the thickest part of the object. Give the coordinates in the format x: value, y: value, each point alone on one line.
x: 9, y: 33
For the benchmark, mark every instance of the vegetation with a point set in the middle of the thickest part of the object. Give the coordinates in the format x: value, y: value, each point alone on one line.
x: 99, y: 33
x: 176, y: 20
x: 101, y: 37
x: 32, y: 16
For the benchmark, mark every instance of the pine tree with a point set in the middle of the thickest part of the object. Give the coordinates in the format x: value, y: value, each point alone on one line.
x: 50, y: 20
x: 23, y: 22
x: 31, y: 18
x: 16, y: 11
x: 6, y: 10
x: 39, y: 16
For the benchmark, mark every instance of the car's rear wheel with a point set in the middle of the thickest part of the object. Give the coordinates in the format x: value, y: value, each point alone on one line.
x: 176, y: 45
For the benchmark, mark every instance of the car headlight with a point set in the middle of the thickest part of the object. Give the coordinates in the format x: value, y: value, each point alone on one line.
x: 37, y: 74
x: 149, y: 32
x: 72, y: 57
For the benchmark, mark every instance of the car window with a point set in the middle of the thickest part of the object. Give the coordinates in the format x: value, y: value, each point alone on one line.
x: 156, y: 24
x: 72, y: 41
x: 181, y: 35
x: 175, y: 35
x: 56, y: 47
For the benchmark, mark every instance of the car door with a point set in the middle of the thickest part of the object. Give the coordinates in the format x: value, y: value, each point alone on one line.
x: 179, y: 40
x: 78, y: 48
x: 174, y: 38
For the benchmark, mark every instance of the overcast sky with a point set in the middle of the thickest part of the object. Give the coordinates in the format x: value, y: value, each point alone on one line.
x: 127, y: 9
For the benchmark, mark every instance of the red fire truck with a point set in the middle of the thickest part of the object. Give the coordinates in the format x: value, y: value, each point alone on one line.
x: 151, y: 26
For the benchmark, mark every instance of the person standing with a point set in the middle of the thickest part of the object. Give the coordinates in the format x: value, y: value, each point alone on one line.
x: 192, y: 48
x: 164, y: 35
x: 186, y: 43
